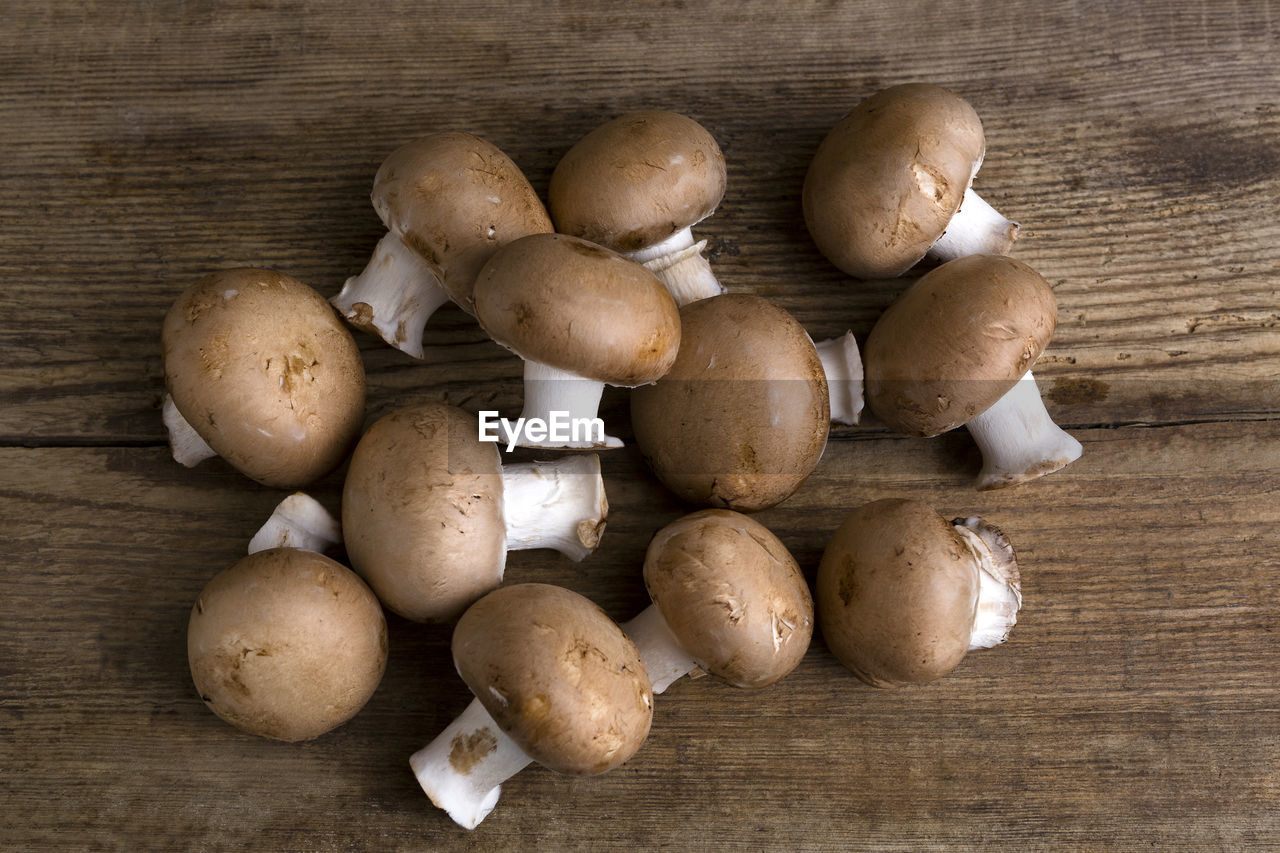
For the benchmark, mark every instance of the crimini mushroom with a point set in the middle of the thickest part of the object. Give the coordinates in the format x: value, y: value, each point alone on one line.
x: 261, y: 372
x: 728, y: 598
x: 287, y: 644
x: 891, y: 183
x: 556, y: 681
x: 904, y: 594
x: 742, y: 417
x: 956, y: 347
x: 429, y: 511
x: 582, y: 317
x: 449, y: 200
x: 637, y: 184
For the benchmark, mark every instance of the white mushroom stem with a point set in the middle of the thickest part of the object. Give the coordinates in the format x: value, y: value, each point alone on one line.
x: 1000, y: 585
x: 664, y: 659
x: 560, y: 411
x: 463, y: 769
x: 679, y: 263
x: 187, y: 445
x: 1018, y: 439
x: 299, y: 521
x: 393, y: 297
x: 976, y: 229
x: 842, y: 364
x: 559, y: 504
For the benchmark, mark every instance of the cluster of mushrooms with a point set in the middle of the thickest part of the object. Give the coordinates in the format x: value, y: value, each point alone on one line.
x: 732, y: 406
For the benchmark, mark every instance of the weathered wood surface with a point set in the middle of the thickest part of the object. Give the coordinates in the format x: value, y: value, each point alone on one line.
x: 1138, y: 144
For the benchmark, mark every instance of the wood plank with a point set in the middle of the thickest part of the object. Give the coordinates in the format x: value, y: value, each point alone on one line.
x: 1133, y: 704
x: 147, y: 146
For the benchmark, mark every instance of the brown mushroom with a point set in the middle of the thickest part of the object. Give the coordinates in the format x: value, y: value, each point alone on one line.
x: 261, y: 372
x: 892, y: 182
x: 556, y: 681
x: 728, y: 598
x: 956, y: 347
x: 286, y: 644
x: 429, y: 511
x: 581, y: 316
x: 741, y: 419
x: 449, y: 200
x: 903, y: 594
x: 637, y: 184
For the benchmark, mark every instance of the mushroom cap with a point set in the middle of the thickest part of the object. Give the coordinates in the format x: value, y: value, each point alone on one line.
x: 264, y: 370
x: 636, y: 180
x: 579, y: 307
x: 455, y: 198
x: 557, y: 675
x: 732, y: 594
x: 955, y: 341
x: 742, y: 417
x: 897, y: 593
x: 889, y: 176
x: 422, y: 512
x: 287, y: 644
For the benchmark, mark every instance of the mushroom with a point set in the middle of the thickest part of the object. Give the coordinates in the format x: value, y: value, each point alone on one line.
x: 261, y: 372
x: 449, y: 200
x: 903, y: 594
x: 286, y: 644
x: 298, y: 521
x: 637, y: 184
x: 581, y: 316
x: 956, y: 347
x: 728, y: 598
x: 429, y: 511
x: 556, y: 681
x: 892, y: 182
x: 742, y: 417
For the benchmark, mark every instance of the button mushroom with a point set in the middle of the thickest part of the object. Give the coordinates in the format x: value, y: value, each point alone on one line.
x: 741, y: 419
x: 581, y: 316
x: 956, y: 347
x: 429, y: 511
x: 261, y: 372
x: 637, y: 184
x: 448, y: 200
x: 728, y: 598
x: 286, y: 644
x: 556, y: 681
x: 903, y: 595
x: 892, y: 182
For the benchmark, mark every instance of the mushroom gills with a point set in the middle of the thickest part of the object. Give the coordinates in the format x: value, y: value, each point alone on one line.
x: 999, y: 583
x: 842, y: 365
x: 394, y: 296
x: 1018, y: 439
x: 558, y: 504
x: 463, y: 768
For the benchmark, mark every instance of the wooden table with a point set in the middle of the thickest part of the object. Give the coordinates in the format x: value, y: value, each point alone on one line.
x: 1135, y: 704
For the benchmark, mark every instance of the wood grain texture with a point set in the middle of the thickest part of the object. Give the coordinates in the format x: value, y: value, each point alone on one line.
x: 1137, y: 143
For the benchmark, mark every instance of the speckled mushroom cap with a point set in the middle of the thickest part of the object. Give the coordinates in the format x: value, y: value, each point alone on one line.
x: 455, y: 198
x: 889, y: 176
x: 955, y: 341
x: 636, y: 180
x: 897, y: 593
x: 557, y: 675
x: 265, y: 372
x: 579, y: 307
x: 732, y: 595
x: 742, y: 417
x: 286, y: 644
x: 422, y: 512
